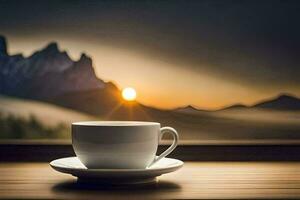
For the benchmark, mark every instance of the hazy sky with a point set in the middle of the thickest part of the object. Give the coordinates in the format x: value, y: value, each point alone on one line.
x: 205, y: 53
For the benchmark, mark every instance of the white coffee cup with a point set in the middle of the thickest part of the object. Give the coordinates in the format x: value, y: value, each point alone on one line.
x: 119, y: 144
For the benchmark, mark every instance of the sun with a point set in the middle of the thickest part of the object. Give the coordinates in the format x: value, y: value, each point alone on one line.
x: 129, y: 94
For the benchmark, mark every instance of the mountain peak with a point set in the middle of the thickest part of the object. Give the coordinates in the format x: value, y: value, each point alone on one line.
x: 281, y: 102
x: 285, y: 96
x: 81, y: 76
x: 235, y: 107
x: 189, y: 109
x: 52, y: 47
x: 85, y: 59
x: 3, y: 45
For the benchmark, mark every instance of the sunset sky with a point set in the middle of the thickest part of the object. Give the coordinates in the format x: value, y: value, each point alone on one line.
x: 205, y: 53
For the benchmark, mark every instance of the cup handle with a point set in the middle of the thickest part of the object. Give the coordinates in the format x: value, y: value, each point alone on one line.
x: 171, y: 148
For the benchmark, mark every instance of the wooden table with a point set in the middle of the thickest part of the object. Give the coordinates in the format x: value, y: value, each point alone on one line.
x: 201, y: 180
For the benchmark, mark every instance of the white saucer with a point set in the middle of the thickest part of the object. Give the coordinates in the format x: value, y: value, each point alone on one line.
x: 73, y: 166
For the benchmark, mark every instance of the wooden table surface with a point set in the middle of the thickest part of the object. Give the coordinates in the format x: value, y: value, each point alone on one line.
x: 196, y: 180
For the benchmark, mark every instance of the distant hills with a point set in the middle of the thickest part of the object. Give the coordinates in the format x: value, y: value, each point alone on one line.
x: 189, y: 110
x: 281, y: 102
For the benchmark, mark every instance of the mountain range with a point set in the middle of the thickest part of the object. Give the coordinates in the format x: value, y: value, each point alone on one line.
x: 280, y: 102
x: 50, y: 75
x: 46, y: 73
x: 283, y: 102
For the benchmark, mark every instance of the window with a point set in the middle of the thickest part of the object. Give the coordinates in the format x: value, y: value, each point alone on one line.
x: 213, y: 78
